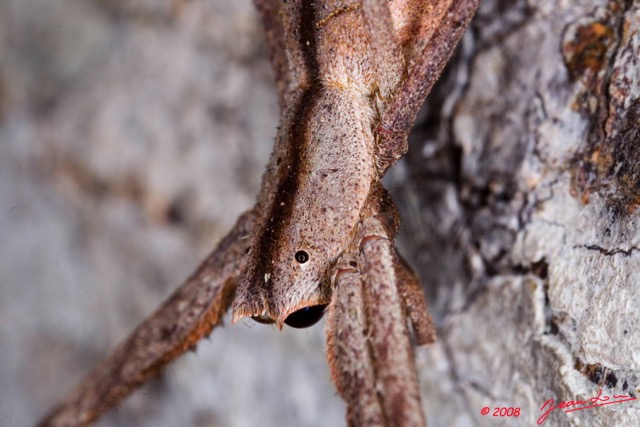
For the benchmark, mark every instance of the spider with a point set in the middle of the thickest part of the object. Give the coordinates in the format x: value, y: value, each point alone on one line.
x: 351, y: 77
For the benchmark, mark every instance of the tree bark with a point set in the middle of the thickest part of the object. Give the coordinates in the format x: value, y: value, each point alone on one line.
x: 132, y: 134
x: 520, y: 203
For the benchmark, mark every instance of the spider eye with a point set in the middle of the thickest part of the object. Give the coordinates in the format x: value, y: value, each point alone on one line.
x: 305, y: 317
x: 302, y: 257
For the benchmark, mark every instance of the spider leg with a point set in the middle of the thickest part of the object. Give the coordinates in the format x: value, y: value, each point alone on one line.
x: 390, y: 346
x: 414, y: 302
x: 389, y: 59
x: 187, y: 316
x: 368, y: 337
x: 287, y: 26
x: 349, y: 352
x: 429, y: 47
x: 273, y: 21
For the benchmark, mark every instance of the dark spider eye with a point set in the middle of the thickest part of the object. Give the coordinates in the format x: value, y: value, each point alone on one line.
x: 305, y: 317
x: 302, y: 257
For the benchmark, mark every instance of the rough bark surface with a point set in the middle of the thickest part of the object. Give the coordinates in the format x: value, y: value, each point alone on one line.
x: 132, y: 134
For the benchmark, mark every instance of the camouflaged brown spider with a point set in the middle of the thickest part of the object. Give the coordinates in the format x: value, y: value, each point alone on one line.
x: 351, y: 76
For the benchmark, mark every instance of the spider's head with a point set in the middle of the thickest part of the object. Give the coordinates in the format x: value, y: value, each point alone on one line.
x: 286, y: 280
x: 313, y: 198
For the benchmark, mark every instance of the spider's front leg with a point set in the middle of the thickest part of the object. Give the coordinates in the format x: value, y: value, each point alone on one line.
x: 370, y: 352
x: 176, y: 327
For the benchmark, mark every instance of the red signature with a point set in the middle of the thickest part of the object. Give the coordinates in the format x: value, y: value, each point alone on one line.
x: 578, y: 405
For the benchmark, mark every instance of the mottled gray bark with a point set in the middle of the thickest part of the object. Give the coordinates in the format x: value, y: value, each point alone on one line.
x: 520, y: 204
x: 132, y: 134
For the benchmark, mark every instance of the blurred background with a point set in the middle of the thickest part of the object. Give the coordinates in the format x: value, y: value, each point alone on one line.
x: 132, y: 135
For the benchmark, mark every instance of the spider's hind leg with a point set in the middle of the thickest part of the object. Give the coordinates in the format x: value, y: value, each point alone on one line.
x: 428, y: 33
